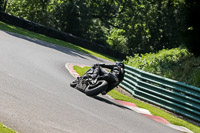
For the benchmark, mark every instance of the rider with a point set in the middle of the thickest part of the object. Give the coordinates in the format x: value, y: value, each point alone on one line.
x: 115, y: 76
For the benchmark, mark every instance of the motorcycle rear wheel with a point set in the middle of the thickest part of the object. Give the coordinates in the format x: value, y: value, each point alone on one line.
x: 93, y: 90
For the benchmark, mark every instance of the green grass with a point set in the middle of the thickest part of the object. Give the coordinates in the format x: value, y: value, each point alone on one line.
x: 154, y: 110
x: 4, y: 129
x: 81, y: 70
x: 14, y: 29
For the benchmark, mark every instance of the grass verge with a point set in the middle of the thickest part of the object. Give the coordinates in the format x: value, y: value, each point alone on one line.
x: 14, y: 29
x: 4, y: 129
x: 81, y: 70
x: 154, y: 110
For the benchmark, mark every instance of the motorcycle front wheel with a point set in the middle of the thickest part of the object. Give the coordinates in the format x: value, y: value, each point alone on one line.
x: 72, y: 84
x: 93, y: 90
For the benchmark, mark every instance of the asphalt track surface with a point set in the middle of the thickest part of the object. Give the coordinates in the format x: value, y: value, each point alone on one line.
x: 35, y: 96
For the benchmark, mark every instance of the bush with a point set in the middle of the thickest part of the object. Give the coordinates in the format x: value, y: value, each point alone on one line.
x: 177, y: 64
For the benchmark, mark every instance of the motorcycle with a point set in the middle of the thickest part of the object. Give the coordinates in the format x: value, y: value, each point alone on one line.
x: 93, y: 86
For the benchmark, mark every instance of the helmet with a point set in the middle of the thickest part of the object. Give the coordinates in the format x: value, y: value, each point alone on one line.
x: 120, y: 64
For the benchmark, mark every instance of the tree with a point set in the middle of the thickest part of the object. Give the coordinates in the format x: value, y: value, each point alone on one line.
x: 3, y: 4
x: 33, y: 10
x: 130, y: 26
x: 88, y: 19
x: 152, y: 25
x: 192, y: 33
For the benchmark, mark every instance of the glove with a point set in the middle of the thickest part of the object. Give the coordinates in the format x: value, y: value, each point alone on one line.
x: 102, y: 65
x: 96, y: 65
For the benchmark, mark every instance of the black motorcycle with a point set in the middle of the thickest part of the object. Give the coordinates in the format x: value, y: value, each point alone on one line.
x: 91, y: 85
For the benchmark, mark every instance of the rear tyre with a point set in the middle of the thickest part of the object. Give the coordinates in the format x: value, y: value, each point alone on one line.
x: 93, y: 90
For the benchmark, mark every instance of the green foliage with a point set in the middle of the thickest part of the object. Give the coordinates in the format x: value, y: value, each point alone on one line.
x: 33, y: 10
x: 3, y: 4
x: 129, y: 26
x: 177, y: 64
x: 117, y: 40
x: 155, y: 25
x: 192, y: 30
x: 196, y: 76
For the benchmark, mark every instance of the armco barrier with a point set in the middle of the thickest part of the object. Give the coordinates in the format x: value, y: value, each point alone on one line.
x: 172, y: 95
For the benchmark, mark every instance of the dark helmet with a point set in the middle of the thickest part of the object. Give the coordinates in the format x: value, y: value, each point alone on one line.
x: 120, y: 64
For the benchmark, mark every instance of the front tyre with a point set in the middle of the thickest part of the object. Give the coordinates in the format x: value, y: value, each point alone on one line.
x: 74, y: 83
x: 93, y: 90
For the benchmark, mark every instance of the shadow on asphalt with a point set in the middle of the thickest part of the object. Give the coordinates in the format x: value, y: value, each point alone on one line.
x: 55, y: 46
x: 109, y: 102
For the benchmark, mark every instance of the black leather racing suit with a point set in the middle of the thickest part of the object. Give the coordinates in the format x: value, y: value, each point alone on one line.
x: 112, y: 77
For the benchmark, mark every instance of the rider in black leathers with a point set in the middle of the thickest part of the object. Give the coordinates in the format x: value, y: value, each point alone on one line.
x: 114, y: 77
